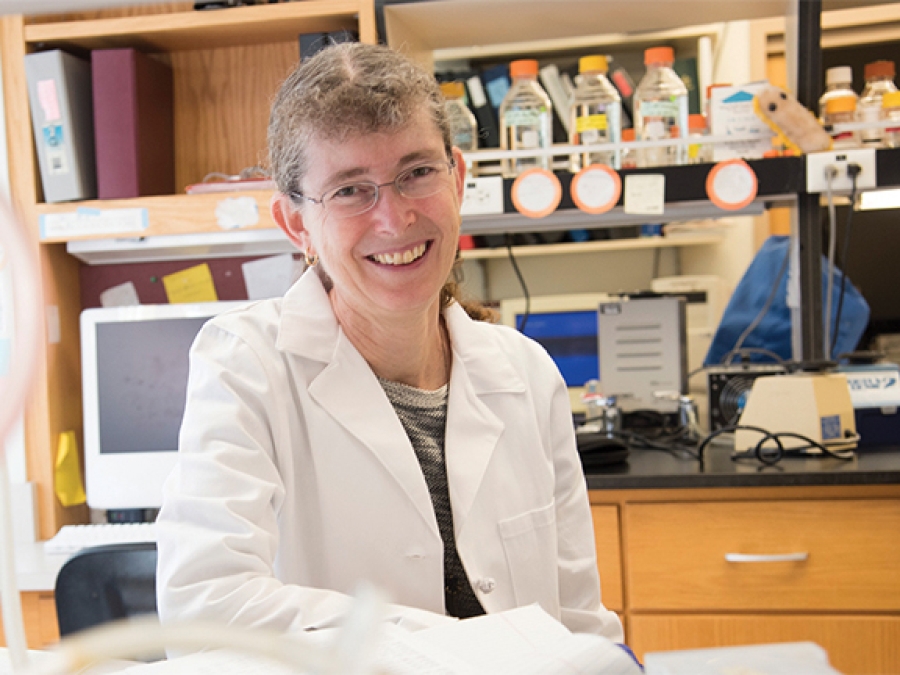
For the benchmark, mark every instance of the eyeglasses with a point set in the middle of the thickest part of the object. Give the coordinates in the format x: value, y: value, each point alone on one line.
x: 353, y: 199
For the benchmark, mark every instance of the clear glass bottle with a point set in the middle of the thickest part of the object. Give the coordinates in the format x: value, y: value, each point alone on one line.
x: 463, y: 125
x: 890, y: 110
x: 660, y: 103
x: 841, y: 110
x: 879, y: 81
x: 628, y: 156
x: 595, y: 115
x: 838, y: 84
x: 526, y: 119
x: 698, y: 153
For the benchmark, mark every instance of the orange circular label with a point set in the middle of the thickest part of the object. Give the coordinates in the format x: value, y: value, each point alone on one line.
x: 731, y: 185
x: 596, y: 189
x: 536, y: 193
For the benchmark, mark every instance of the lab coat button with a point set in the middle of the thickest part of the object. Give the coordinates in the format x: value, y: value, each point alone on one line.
x: 486, y: 585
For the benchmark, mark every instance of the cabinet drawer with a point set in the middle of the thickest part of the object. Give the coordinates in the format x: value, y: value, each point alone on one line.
x: 856, y: 644
x: 823, y: 555
x: 609, y: 555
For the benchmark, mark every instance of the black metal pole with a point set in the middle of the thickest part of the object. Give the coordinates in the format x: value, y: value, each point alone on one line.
x: 809, y: 228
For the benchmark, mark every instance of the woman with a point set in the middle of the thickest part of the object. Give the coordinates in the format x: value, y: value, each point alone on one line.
x: 365, y: 427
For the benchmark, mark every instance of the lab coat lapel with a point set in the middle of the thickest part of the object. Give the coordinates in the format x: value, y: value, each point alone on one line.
x: 348, y: 390
x: 480, y: 374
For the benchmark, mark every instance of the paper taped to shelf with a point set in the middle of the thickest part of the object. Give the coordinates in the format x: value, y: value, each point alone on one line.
x: 84, y: 222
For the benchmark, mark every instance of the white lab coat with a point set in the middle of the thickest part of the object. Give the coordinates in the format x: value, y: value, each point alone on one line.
x: 296, y: 480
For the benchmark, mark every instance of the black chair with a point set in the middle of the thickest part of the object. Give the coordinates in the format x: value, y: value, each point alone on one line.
x: 105, y: 583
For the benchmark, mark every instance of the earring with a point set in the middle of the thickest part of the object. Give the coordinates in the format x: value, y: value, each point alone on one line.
x: 310, y: 259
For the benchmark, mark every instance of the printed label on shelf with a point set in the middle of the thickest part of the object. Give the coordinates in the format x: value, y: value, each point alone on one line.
x: 536, y: 193
x: 596, y: 189
x: 731, y: 185
x: 85, y: 221
x: 483, y: 196
x: 235, y: 213
x: 645, y: 194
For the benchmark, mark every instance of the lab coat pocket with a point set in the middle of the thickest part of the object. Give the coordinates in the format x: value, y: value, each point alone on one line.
x: 529, y: 541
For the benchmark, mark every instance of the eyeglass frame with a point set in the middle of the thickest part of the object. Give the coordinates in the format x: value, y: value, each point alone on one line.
x: 450, y: 162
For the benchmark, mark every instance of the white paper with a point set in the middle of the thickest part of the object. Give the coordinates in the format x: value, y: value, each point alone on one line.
x: 789, y: 658
x: 123, y: 295
x: 645, y: 194
x: 268, y: 277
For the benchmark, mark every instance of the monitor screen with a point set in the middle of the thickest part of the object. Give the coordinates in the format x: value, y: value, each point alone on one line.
x: 566, y: 326
x: 134, y: 377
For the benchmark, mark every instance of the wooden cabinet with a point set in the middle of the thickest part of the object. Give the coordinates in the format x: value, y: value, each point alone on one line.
x: 704, y: 568
x: 39, y: 615
x: 226, y: 66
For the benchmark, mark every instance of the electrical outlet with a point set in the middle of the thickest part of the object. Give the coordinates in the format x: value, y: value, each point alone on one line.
x: 818, y: 162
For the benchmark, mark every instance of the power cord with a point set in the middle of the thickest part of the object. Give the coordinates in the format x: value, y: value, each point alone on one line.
x: 515, y: 266
x: 853, y: 170
x: 769, y: 455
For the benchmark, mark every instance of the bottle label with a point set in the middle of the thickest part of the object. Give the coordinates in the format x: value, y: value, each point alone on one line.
x: 529, y: 139
x: 591, y: 122
x: 667, y: 108
x: 522, y: 118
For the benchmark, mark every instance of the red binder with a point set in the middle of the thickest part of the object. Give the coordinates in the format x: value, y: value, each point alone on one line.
x: 133, y: 124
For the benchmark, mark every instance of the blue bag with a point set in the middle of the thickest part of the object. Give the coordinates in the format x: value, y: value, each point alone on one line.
x: 773, y: 333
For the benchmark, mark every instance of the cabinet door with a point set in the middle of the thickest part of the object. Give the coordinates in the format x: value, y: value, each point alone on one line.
x: 856, y: 645
x: 840, y: 555
x: 39, y: 614
x: 609, y: 555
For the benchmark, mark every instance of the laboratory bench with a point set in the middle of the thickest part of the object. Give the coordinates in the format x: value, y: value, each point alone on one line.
x: 725, y: 553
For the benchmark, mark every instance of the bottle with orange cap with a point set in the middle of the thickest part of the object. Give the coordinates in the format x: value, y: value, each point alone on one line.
x: 879, y: 81
x: 595, y: 115
x: 890, y: 110
x: 463, y: 125
x: 526, y: 119
x: 841, y: 110
x: 660, y: 104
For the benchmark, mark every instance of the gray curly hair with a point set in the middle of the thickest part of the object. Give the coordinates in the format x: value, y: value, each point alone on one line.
x: 344, y: 89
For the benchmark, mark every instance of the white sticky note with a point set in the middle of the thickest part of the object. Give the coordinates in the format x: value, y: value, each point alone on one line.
x: 123, y: 295
x: 645, y: 194
x: 236, y: 212
x: 268, y: 277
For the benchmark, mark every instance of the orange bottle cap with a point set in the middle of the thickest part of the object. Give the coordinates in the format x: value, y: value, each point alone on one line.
x: 659, y: 55
x: 628, y: 134
x: 453, y: 89
x: 588, y: 63
x: 879, y: 69
x: 523, y: 68
x: 696, y: 122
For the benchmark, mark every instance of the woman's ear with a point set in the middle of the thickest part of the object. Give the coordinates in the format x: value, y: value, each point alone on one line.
x: 460, y: 172
x: 289, y: 219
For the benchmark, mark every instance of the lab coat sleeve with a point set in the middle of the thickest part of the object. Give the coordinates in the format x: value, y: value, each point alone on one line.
x: 218, y: 527
x: 582, y: 610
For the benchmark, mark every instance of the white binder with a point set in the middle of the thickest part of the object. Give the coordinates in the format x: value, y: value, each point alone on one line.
x: 59, y: 92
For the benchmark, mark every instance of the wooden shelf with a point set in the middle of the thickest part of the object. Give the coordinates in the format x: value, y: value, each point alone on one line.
x: 166, y: 214
x: 574, y: 248
x: 236, y: 26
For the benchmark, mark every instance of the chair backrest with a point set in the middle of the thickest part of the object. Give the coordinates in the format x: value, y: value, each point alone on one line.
x: 105, y: 583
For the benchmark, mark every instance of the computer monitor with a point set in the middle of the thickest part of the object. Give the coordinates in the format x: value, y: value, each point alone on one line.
x: 134, y: 364
x: 566, y: 326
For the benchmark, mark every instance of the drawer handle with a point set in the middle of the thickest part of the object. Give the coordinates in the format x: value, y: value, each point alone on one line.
x: 778, y: 557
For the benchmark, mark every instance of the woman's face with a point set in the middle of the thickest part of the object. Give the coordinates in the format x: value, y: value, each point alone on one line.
x: 395, y: 257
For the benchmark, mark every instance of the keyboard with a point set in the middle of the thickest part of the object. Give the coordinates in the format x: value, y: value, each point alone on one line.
x: 72, y: 538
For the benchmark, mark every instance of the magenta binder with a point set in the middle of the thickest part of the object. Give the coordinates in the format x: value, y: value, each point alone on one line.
x: 133, y: 124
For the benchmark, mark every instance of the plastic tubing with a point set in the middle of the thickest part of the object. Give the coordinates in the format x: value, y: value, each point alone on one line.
x: 18, y: 266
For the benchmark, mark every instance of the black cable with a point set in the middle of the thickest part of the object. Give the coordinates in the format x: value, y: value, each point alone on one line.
x: 853, y: 170
x: 728, y: 357
x: 767, y: 454
x: 765, y: 309
x: 515, y: 265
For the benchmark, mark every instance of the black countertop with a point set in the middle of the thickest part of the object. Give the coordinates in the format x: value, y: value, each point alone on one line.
x: 651, y: 469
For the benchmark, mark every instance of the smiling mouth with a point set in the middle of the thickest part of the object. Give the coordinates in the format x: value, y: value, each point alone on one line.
x: 401, y: 257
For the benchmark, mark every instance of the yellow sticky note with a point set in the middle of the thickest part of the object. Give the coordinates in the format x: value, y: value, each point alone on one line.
x: 67, y: 481
x: 195, y: 284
